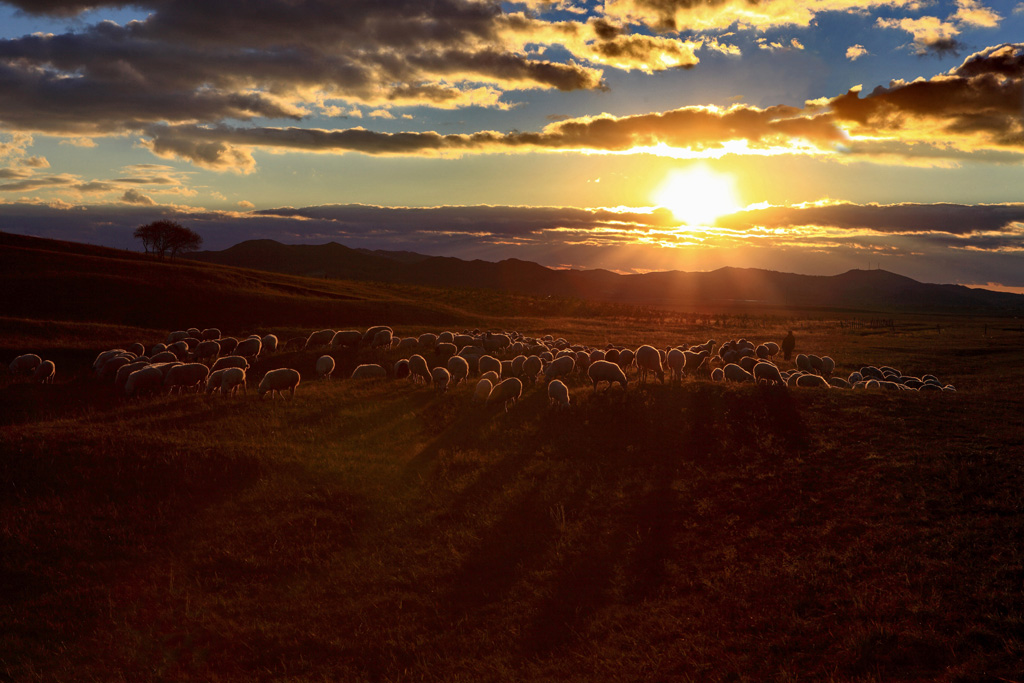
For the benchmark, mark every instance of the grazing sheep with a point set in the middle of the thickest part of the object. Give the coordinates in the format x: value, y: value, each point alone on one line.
x: 179, y: 349
x: 675, y: 361
x: 558, y: 394
x: 445, y: 349
x: 603, y: 371
x: 369, y: 371
x: 482, y: 390
x: 228, y: 344
x: 187, y: 376
x: 626, y: 358
x: 761, y: 351
x: 136, y: 348
x: 175, y: 336
x: 194, y: 332
x: 108, y: 371
x: 167, y: 357
x: 735, y: 373
x: 811, y: 380
x: 489, y: 363
x: 402, y: 369
x: 125, y: 370
x: 598, y: 354
x: 560, y: 367
x: 408, y: 344
x: 507, y: 392
x: 231, y: 380
x: 229, y: 362
x: 458, y: 368
x: 294, y: 344
x: 208, y: 349
x: 838, y: 382
x: 492, y: 376
x: 382, y: 340
x: 718, y: 375
x: 269, y: 343
x: 278, y: 381
x: 102, y: 358
x: 517, y: 366
x: 532, y: 367
x: 828, y: 366
x: 773, y: 349
x: 496, y: 342
x: 373, y: 337
x: 318, y: 339
x: 147, y: 380
x: 27, y: 363
x: 324, y: 367
x: 419, y: 368
x: 213, y: 382
x: 249, y: 348
x: 440, y: 378
x: 803, y: 363
x: 45, y: 372
x: 767, y: 372
x: 348, y: 339
x: 446, y: 338
x: 427, y: 340
x: 210, y: 333
x: 189, y: 342
x: 694, y: 361
x: 648, y: 360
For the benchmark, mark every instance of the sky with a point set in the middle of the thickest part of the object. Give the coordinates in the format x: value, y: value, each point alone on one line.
x: 808, y: 136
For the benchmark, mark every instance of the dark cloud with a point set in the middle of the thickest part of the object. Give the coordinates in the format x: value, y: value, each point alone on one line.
x: 952, y: 219
x: 694, y: 128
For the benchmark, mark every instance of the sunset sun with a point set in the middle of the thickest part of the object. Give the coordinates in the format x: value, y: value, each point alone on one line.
x: 698, y: 195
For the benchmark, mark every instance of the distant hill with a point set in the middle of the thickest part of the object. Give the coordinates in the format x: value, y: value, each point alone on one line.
x: 862, y: 290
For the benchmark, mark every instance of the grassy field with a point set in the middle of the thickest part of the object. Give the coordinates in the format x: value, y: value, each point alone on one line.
x: 383, y: 532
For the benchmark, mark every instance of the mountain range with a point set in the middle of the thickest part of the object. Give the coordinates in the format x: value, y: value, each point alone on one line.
x: 862, y: 290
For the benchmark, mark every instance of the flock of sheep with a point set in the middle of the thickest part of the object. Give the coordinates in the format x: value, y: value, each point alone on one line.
x: 503, y: 363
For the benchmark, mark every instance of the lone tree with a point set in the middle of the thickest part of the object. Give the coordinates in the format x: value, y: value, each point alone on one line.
x: 167, y: 238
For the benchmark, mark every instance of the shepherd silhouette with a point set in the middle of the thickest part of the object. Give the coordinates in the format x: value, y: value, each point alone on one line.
x: 788, y: 344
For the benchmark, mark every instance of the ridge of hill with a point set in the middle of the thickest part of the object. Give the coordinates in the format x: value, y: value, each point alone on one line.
x: 868, y: 290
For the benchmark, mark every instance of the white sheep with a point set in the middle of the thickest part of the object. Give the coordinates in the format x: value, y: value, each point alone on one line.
x: 27, y: 363
x: 626, y: 359
x: 532, y: 367
x: 648, y: 360
x: 604, y: 371
x: 317, y: 340
x: 812, y: 380
x: 675, y: 361
x: 346, y: 339
x: 187, y: 376
x: 507, y: 392
x: 369, y: 371
x: 767, y: 372
x: 45, y: 372
x: 207, y: 349
x: 269, y: 343
x: 560, y: 367
x: 231, y: 380
x: 558, y: 394
x: 489, y: 363
x: 427, y: 340
x: 382, y: 339
x: 734, y: 373
x: 213, y: 382
x: 146, y: 380
x: 483, y: 389
x: 279, y: 381
x: 458, y: 368
x: 418, y: 368
x: 324, y: 367
x: 228, y: 362
x: 371, y: 337
x: 249, y: 348
x: 440, y: 378
x: 125, y: 370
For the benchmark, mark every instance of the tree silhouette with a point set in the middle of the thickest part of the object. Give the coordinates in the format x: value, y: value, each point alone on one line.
x: 167, y: 238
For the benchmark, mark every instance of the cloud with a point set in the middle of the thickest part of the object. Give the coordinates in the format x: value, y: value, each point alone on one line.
x: 906, y: 218
x: 697, y: 129
x: 714, y: 15
x: 855, y: 52
x: 973, y: 13
x: 973, y: 108
x: 133, y: 196
x: 931, y: 34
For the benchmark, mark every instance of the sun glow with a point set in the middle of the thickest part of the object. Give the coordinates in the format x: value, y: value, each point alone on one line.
x: 698, y: 195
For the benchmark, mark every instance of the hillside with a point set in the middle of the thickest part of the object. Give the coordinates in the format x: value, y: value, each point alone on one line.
x: 863, y: 290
